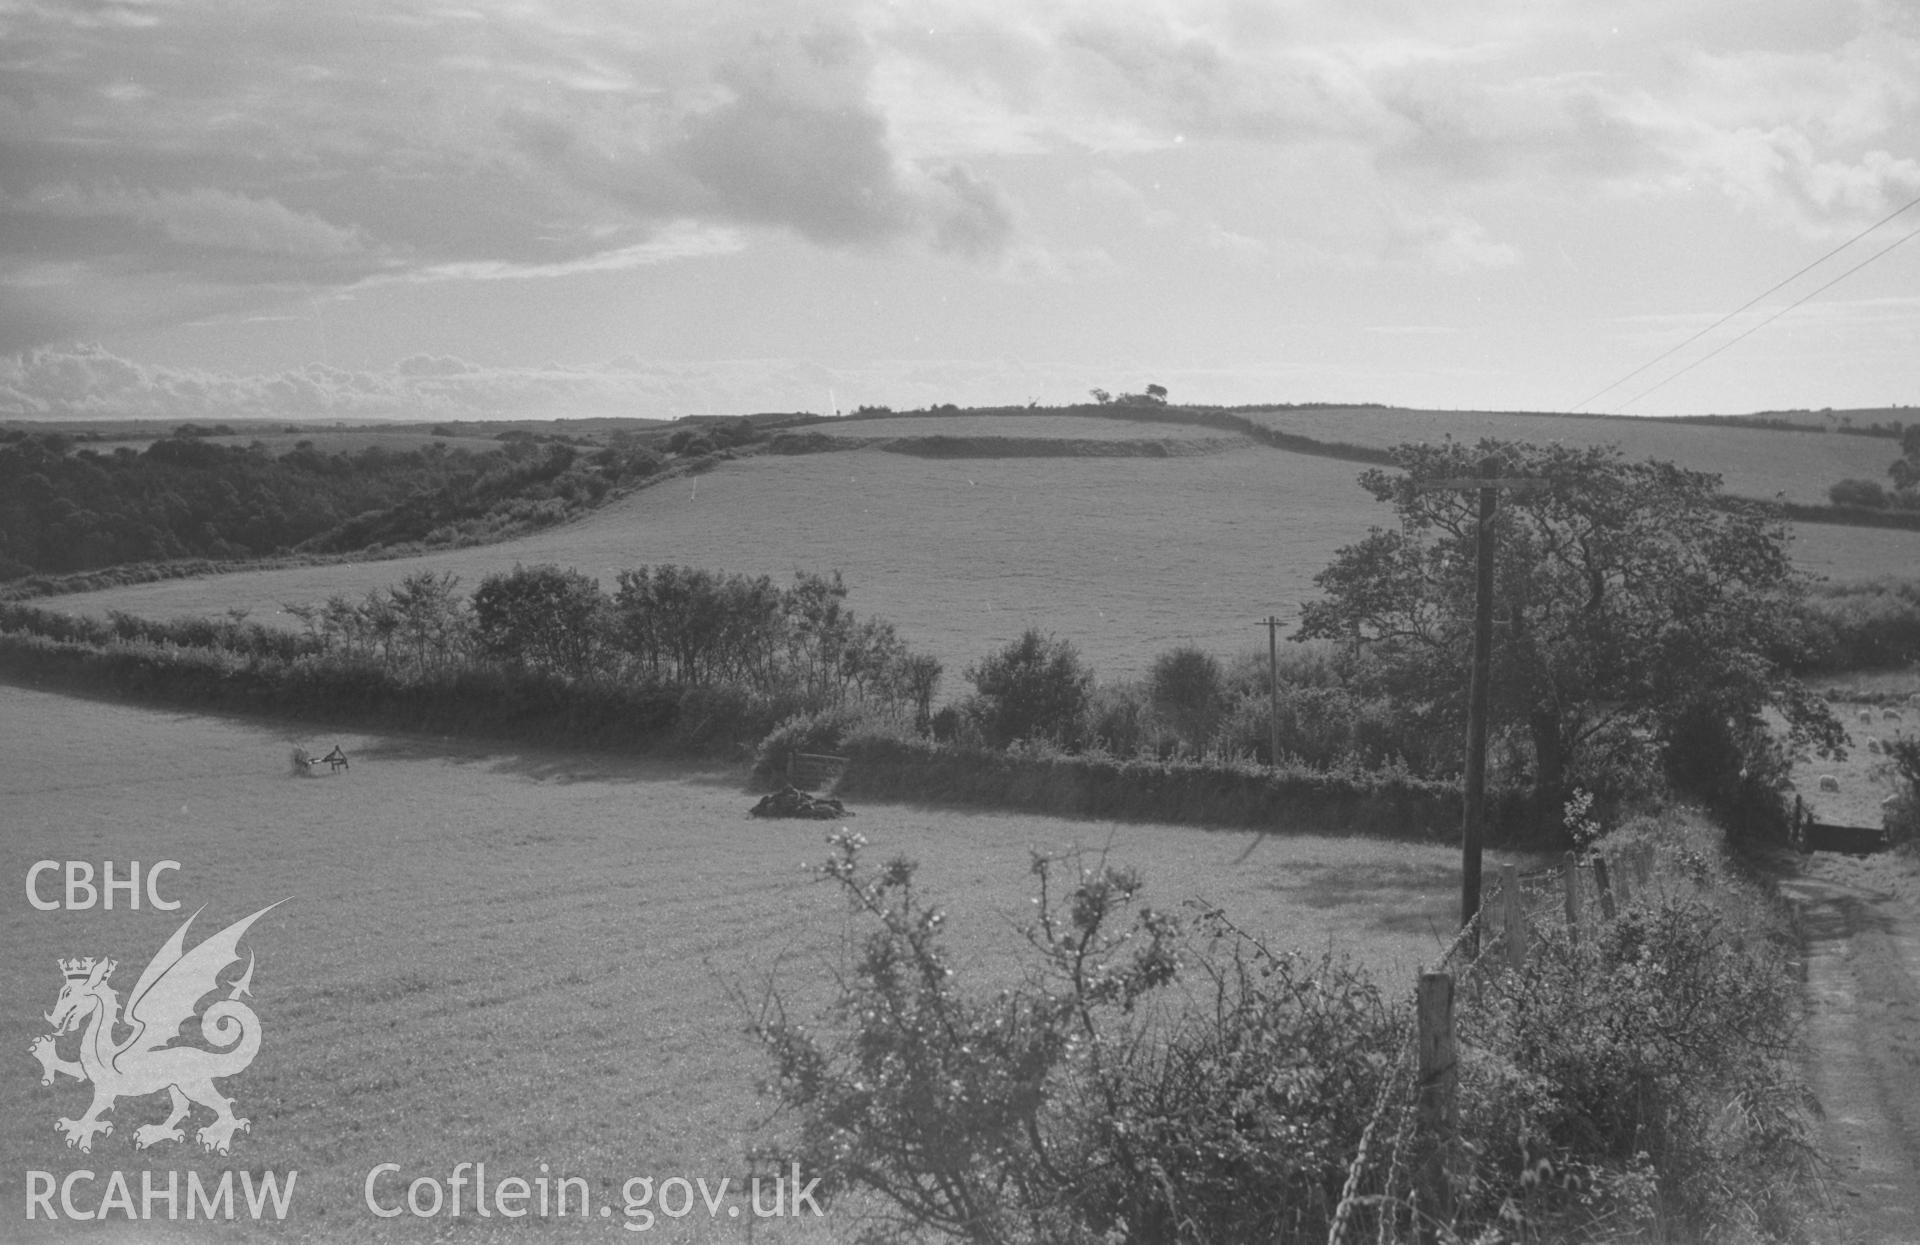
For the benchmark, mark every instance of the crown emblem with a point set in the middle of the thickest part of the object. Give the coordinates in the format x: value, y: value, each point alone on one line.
x: 80, y: 969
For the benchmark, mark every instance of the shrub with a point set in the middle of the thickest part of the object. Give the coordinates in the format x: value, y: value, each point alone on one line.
x: 1867, y: 494
x: 1121, y: 721
x: 1158, y: 1082
x: 1072, y: 1108
x: 822, y: 731
x: 1641, y: 1076
x: 1187, y: 692
x: 1874, y: 623
x: 1903, y: 814
x: 1035, y: 688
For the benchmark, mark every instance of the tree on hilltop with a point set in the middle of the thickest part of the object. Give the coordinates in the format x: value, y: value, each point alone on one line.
x: 1635, y: 602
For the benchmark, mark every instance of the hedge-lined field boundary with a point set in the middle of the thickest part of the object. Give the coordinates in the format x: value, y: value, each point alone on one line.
x: 1202, y: 791
x: 725, y: 723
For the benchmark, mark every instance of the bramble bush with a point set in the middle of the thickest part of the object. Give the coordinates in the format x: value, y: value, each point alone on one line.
x: 1159, y: 1080
x: 1087, y: 1104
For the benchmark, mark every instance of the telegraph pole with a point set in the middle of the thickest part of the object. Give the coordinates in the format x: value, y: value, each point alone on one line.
x: 1489, y: 484
x: 1273, y: 690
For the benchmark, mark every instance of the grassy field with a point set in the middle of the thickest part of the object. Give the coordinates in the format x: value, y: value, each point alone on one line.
x: 1865, y: 777
x: 1752, y: 462
x: 1126, y: 557
x: 521, y: 957
x: 1076, y: 427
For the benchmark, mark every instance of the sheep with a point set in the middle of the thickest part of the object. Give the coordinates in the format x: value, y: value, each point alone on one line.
x: 1891, y: 715
x: 1829, y: 783
x: 1873, y: 746
x: 1866, y: 717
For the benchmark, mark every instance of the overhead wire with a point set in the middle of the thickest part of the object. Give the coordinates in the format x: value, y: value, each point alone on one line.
x: 1770, y: 319
x: 1750, y: 303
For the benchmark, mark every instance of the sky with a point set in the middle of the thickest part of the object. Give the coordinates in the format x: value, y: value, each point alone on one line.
x: 658, y: 207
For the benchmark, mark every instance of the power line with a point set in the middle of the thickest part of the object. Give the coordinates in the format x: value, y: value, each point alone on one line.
x: 1770, y: 319
x: 1749, y: 303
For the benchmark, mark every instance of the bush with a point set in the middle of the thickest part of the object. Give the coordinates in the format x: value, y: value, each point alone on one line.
x: 1060, y: 1110
x: 1188, y: 693
x: 1155, y: 1081
x: 1035, y: 688
x: 1642, y: 1077
x: 823, y: 731
x: 1866, y: 494
x: 1866, y: 625
x: 1903, y: 813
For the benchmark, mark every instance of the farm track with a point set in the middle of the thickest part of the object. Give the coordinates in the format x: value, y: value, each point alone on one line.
x: 1861, y: 924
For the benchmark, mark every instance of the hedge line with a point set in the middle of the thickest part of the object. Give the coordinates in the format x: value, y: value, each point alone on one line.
x: 484, y: 703
x: 1203, y: 792
x: 498, y: 704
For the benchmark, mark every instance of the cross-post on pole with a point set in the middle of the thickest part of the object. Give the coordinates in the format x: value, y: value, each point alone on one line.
x: 1489, y: 484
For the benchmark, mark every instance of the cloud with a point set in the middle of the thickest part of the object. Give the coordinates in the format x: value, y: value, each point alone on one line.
x: 169, y: 162
x: 201, y: 217
x: 90, y: 382
x: 395, y: 142
x: 678, y: 240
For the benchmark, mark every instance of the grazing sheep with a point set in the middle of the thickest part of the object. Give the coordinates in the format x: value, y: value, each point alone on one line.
x: 1889, y: 802
x: 1891, y: 715
x: 1866, y: 716
x: 1873, y: 746
x: 1829, y: 783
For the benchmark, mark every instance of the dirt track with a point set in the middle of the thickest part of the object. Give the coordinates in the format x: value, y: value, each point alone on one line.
x: 1862, y: 922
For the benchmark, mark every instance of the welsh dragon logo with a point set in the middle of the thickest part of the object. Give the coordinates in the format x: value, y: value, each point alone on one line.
x: 145, y: 1061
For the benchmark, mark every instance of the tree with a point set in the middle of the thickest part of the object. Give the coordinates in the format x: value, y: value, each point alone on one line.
x: 541, y: 617
x: 1187, y: 691
x: 1035, y: 688
x: 1157, y: 393
x: 1101, y: 396
x: 1633, y: 600
x: 1905, y: 469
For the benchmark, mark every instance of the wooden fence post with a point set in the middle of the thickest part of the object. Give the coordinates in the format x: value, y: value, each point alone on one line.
x: 1570, y: 876
x: 1514, y: 916
x: 1600, y: 881
x: 1438, y: 1106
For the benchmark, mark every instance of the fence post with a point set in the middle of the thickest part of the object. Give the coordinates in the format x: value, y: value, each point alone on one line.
x: 1570, y: 875
x: 1600, y: 880
x: 1438, y: 1107
x: 1514, y: 916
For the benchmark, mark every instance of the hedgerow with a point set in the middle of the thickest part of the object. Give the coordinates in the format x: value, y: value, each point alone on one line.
x: 1168, y: 1079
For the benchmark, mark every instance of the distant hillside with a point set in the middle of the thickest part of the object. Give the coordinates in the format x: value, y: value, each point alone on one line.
x: 1125, y: 556
x: 1751, y: 461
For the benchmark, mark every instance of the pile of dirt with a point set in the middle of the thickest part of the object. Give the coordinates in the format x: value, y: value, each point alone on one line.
x: 793, y: 802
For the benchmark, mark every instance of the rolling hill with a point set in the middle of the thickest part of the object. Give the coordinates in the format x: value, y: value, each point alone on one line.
x: 1125, y: 556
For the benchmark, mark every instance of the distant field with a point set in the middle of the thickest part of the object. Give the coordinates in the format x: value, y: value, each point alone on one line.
x: 1750, y: 461
x: 1865, y: 777
x: 1126, y: 557
x: 327, y: 441
x: 1080, y: 427
x: 519, y: 957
